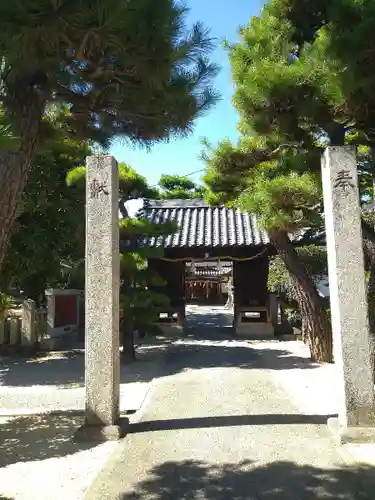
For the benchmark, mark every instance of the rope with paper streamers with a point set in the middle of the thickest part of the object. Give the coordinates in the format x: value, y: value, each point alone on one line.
x: 221, y: 258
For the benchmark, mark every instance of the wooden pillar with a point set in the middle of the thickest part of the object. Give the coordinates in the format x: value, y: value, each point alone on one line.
x: 273, y: 309
x: 236, y: 291
x: 173, y: 273
x: 250, y: 281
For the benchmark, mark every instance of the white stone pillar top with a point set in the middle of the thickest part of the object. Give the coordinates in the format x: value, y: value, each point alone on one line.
x: 62, y: 291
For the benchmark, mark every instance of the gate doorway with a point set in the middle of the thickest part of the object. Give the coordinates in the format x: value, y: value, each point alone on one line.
x: 208, y: 293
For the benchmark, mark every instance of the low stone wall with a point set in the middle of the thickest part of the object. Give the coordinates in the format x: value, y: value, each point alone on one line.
x: 23, y: 328
x: 255, y: 329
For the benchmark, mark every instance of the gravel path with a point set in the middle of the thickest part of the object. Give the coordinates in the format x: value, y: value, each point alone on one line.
x: 38, y: 457
x: 55, y: 381
x: 219, y: 427
x: 226, y: 419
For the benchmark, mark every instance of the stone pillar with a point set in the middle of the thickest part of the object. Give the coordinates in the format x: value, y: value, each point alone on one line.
x: 28, y: 327
x: 102, y: 351
x: 14, y: 328
x: 351, y: 338
x: 2, y: 329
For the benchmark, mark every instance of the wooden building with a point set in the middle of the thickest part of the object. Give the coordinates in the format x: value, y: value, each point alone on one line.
x: 207, y: 282
x: 208, y: 234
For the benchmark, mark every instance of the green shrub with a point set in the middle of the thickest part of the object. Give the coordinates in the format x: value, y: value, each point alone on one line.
x: 313, y: 257
x: 5, y: 303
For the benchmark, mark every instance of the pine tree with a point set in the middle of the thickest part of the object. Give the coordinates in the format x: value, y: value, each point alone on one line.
x: 179, y: 187
x: 139, y: 301
x: 129, y: 69
x: 303, y: 72
x: 47, y: 230
x: 284, y: 200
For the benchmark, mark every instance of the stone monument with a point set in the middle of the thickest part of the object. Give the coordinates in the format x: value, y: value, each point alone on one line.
x: 102, y: 355
x: 62, y: 318
x: 28, y: 336
x: 351, y: 338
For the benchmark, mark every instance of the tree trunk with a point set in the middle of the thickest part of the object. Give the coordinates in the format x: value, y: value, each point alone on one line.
x: 25, y: 110
x: 128, y: 350
x: 315, y: 322
x: 368, y: 238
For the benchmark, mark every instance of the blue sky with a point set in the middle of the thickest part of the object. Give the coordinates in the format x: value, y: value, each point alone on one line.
x: 182, y: 156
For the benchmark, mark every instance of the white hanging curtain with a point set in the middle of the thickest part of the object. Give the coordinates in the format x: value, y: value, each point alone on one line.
x: 192, y: 267
x: 219, y: 266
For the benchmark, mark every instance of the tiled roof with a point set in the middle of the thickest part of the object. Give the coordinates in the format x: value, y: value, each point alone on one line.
x: 203, y: 226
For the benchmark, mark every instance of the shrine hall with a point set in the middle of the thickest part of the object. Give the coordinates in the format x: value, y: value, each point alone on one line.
x: 218, y: 255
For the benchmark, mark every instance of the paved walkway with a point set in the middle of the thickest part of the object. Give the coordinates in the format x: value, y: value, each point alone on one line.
x: 217, y: 426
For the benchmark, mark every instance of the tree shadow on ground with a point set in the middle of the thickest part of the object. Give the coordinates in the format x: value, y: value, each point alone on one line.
x: 203, y: 350
x: 209, y: 319
x: 216, y: 347
x: 248, y: 480
x: 61, y: 368
x: 67, y: 369
x: 39, y: 437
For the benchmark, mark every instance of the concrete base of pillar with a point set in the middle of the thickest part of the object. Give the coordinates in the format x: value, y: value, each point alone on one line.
x: 101, y: 433
x: 294, y: 334
x: 344, y: 435
x: 67, y: 340
x: 255, y: 330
